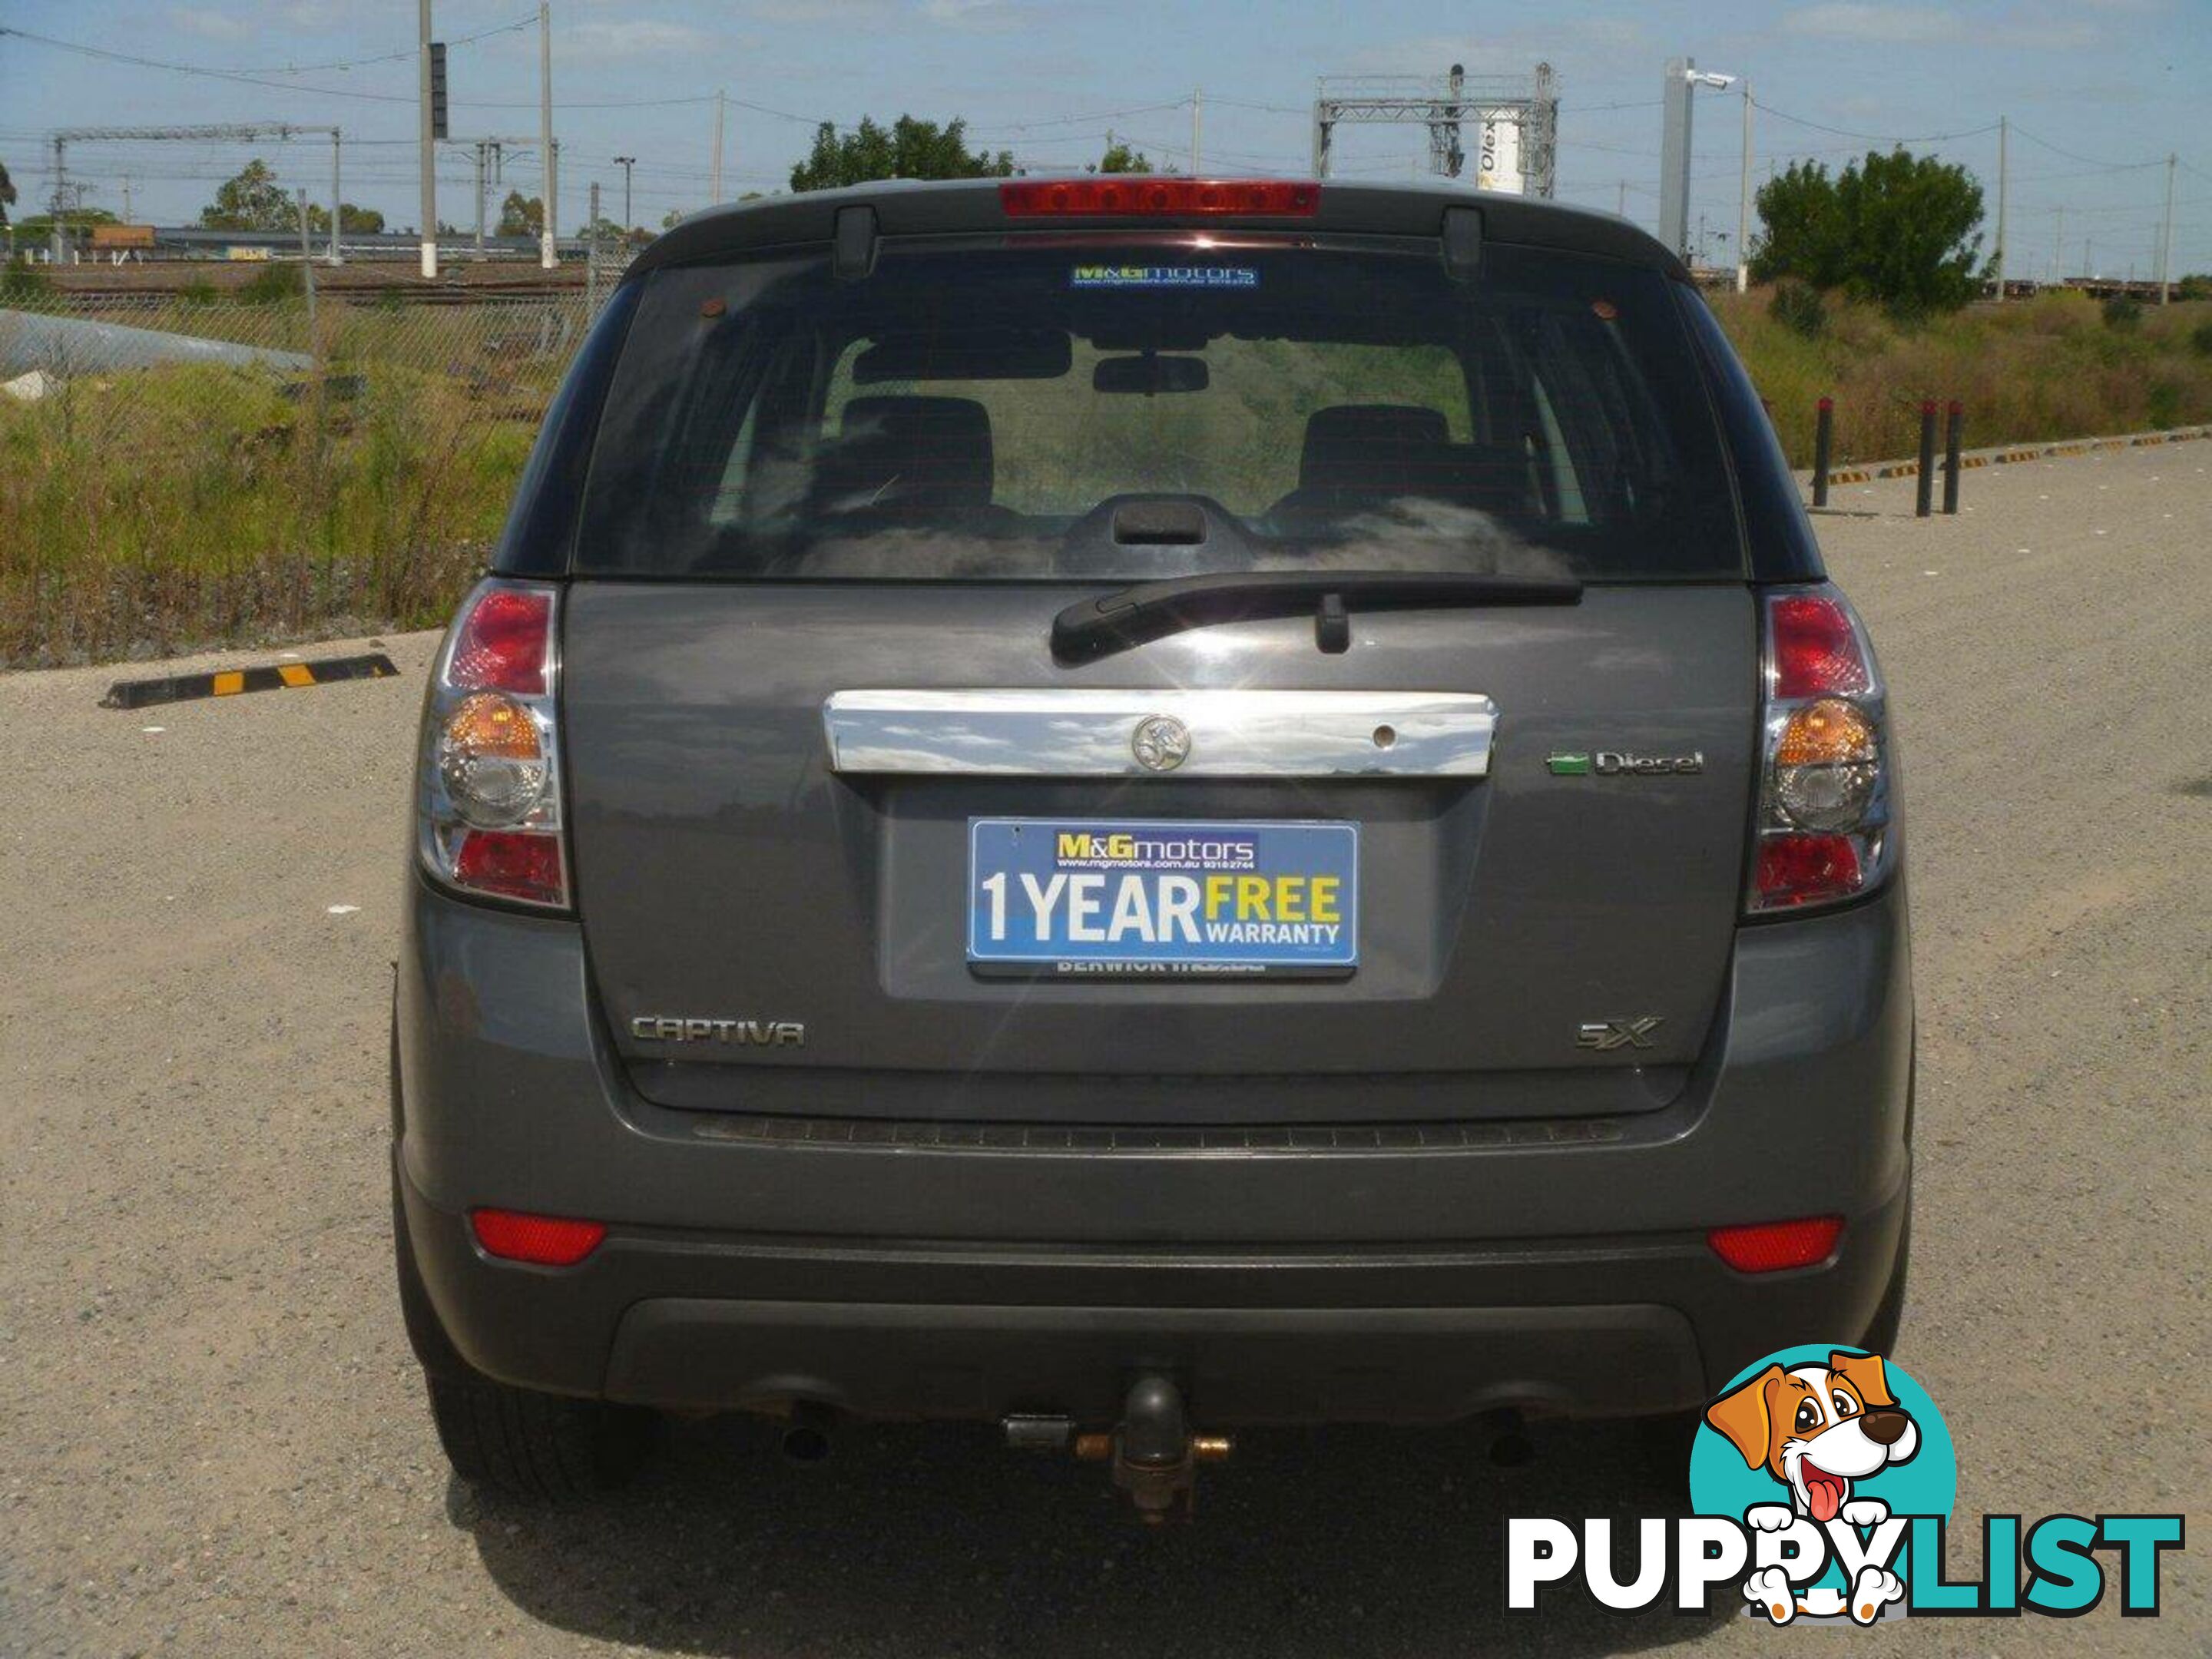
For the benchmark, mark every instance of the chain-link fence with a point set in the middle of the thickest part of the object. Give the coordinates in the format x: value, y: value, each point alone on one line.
x: 274, y: 456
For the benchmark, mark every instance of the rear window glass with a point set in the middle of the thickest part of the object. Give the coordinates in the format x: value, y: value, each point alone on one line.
x: 1011, y: 412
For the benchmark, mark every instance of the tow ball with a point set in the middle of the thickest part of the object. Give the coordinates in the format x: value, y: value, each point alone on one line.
x: 1154, y: 1455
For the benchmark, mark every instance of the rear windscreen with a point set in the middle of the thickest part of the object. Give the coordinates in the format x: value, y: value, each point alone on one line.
x: 1168, y: 407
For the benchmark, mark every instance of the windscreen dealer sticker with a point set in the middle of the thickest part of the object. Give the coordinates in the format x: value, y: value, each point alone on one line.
x: 1164, y: 276
x: 1116, y: 897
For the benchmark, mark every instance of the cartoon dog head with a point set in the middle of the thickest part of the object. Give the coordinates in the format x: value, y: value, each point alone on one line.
x: 1817, y: 1428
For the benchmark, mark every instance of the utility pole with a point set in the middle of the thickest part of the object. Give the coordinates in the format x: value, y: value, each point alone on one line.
x: 2004, y: 131
x: 338, y: 254
x: 548, y: 255
x: 307, y: 266
x: 715, y: 183
x: 2166, y: 239
x: 1620, y: 200
x: 1198, y: 98
x: 1743, y: 203
x: 58, y: 240
x: 1675, y: 156
x: 2057, y: 246
x: 482, y: 146
x: 430, y: 158
x: 592, y: 255
x: 626, y: 162
x: 126, y: 198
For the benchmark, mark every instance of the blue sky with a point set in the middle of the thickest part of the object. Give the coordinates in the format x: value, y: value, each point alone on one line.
x: 2096, y: 89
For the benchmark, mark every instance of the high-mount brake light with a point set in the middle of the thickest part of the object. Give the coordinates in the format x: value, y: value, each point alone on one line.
x: 489, y: 787
x: 1825, y: 832
x: 1128, y: 195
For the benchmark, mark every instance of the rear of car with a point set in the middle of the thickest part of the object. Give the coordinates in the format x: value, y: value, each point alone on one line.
x: 1062, y: 783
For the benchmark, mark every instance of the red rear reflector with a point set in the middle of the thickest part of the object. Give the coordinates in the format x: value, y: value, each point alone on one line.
x: 1816, y: 649
x: 1770, y: 1246
x: 546, y: 1240
x: 512, y: 863
x: 502, y: 644
x: 1130, y: 197
x: 1806, y: 869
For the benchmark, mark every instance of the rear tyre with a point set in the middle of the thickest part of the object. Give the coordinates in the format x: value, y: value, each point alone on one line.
x: 543, y: 1447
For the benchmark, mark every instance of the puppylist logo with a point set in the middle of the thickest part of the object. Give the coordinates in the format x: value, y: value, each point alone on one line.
x: 1823, y: 1482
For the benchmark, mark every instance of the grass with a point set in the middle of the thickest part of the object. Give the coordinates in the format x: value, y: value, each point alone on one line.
x: 2053, y: 366
x: 149, y: 512
x: 154, y: 511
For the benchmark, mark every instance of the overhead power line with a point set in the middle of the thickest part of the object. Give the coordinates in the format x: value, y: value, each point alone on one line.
x: 2089, y: 161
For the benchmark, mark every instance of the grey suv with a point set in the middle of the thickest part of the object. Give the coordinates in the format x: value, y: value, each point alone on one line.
x: 1139, y: 806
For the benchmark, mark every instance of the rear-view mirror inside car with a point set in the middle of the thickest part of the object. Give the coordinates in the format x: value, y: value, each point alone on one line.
x: 983, y: 353
x: 1150, y: 374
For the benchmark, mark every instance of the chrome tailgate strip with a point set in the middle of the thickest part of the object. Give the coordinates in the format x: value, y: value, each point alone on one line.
x: 1206, y: 734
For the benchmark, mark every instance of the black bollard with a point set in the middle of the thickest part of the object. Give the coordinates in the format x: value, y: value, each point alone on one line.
x: 1824, y: 431
x: 1955, y: 429
x: 1925, y: 497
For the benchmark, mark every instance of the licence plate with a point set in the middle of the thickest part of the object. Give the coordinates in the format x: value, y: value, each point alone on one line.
x: 1116, y: 896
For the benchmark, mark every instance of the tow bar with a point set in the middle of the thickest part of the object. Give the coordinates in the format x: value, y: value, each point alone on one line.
x: 1154, y: 1455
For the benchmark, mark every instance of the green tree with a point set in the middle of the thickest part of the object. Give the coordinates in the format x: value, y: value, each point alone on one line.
x: 75, y: 220
x: 253, y: 200
x: 7, y: 193
x: 521, y: 216
x: 1120, y: 158
x: 353, y: 221
x: 907, y: 148
x: 1897, y: 230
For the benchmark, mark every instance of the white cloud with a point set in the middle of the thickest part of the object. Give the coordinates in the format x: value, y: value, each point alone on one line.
x: 635, y: 37
x: 816, y: 11
x: 968, y: 13
x: 1855, y: 20
x: 210, y: 25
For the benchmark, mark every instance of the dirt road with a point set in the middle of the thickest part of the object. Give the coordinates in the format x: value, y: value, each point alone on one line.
x: 211, y: 1439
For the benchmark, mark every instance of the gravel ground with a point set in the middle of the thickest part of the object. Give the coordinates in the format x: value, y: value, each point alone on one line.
x: 212, y: 1438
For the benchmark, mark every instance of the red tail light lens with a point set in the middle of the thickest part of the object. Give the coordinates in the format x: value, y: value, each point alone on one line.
x: 1126, y: 196
x: 512, y: 864
x: 544, y: 1240
x: 1795, y: 870
x: 1816, y: 649
x: 488, y: 785
x: 1772, y: 1247
x: 504, y: 642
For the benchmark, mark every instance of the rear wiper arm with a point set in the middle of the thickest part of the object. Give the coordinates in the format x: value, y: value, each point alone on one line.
x: 1131, y: 615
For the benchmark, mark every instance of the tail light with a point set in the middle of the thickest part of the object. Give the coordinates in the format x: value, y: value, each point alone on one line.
x: 1827, y: 780
x: 1132, y: 195
x: 489, y: 790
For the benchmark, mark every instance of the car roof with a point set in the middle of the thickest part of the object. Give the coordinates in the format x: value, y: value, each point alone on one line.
x: 914, y: 207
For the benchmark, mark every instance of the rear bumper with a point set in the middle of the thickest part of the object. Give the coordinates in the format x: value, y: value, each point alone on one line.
x: 1557, y: 1268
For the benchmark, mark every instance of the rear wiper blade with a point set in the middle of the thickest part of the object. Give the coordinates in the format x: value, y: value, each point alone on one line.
x: 1131, y: 615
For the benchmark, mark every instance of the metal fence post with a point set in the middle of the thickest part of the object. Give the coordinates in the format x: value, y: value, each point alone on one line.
x: 1824, y: 431
x: 1926, y: 483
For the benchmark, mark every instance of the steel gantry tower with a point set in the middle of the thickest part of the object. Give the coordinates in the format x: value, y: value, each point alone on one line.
x: 1518, y: 120
x: 244, y: 132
